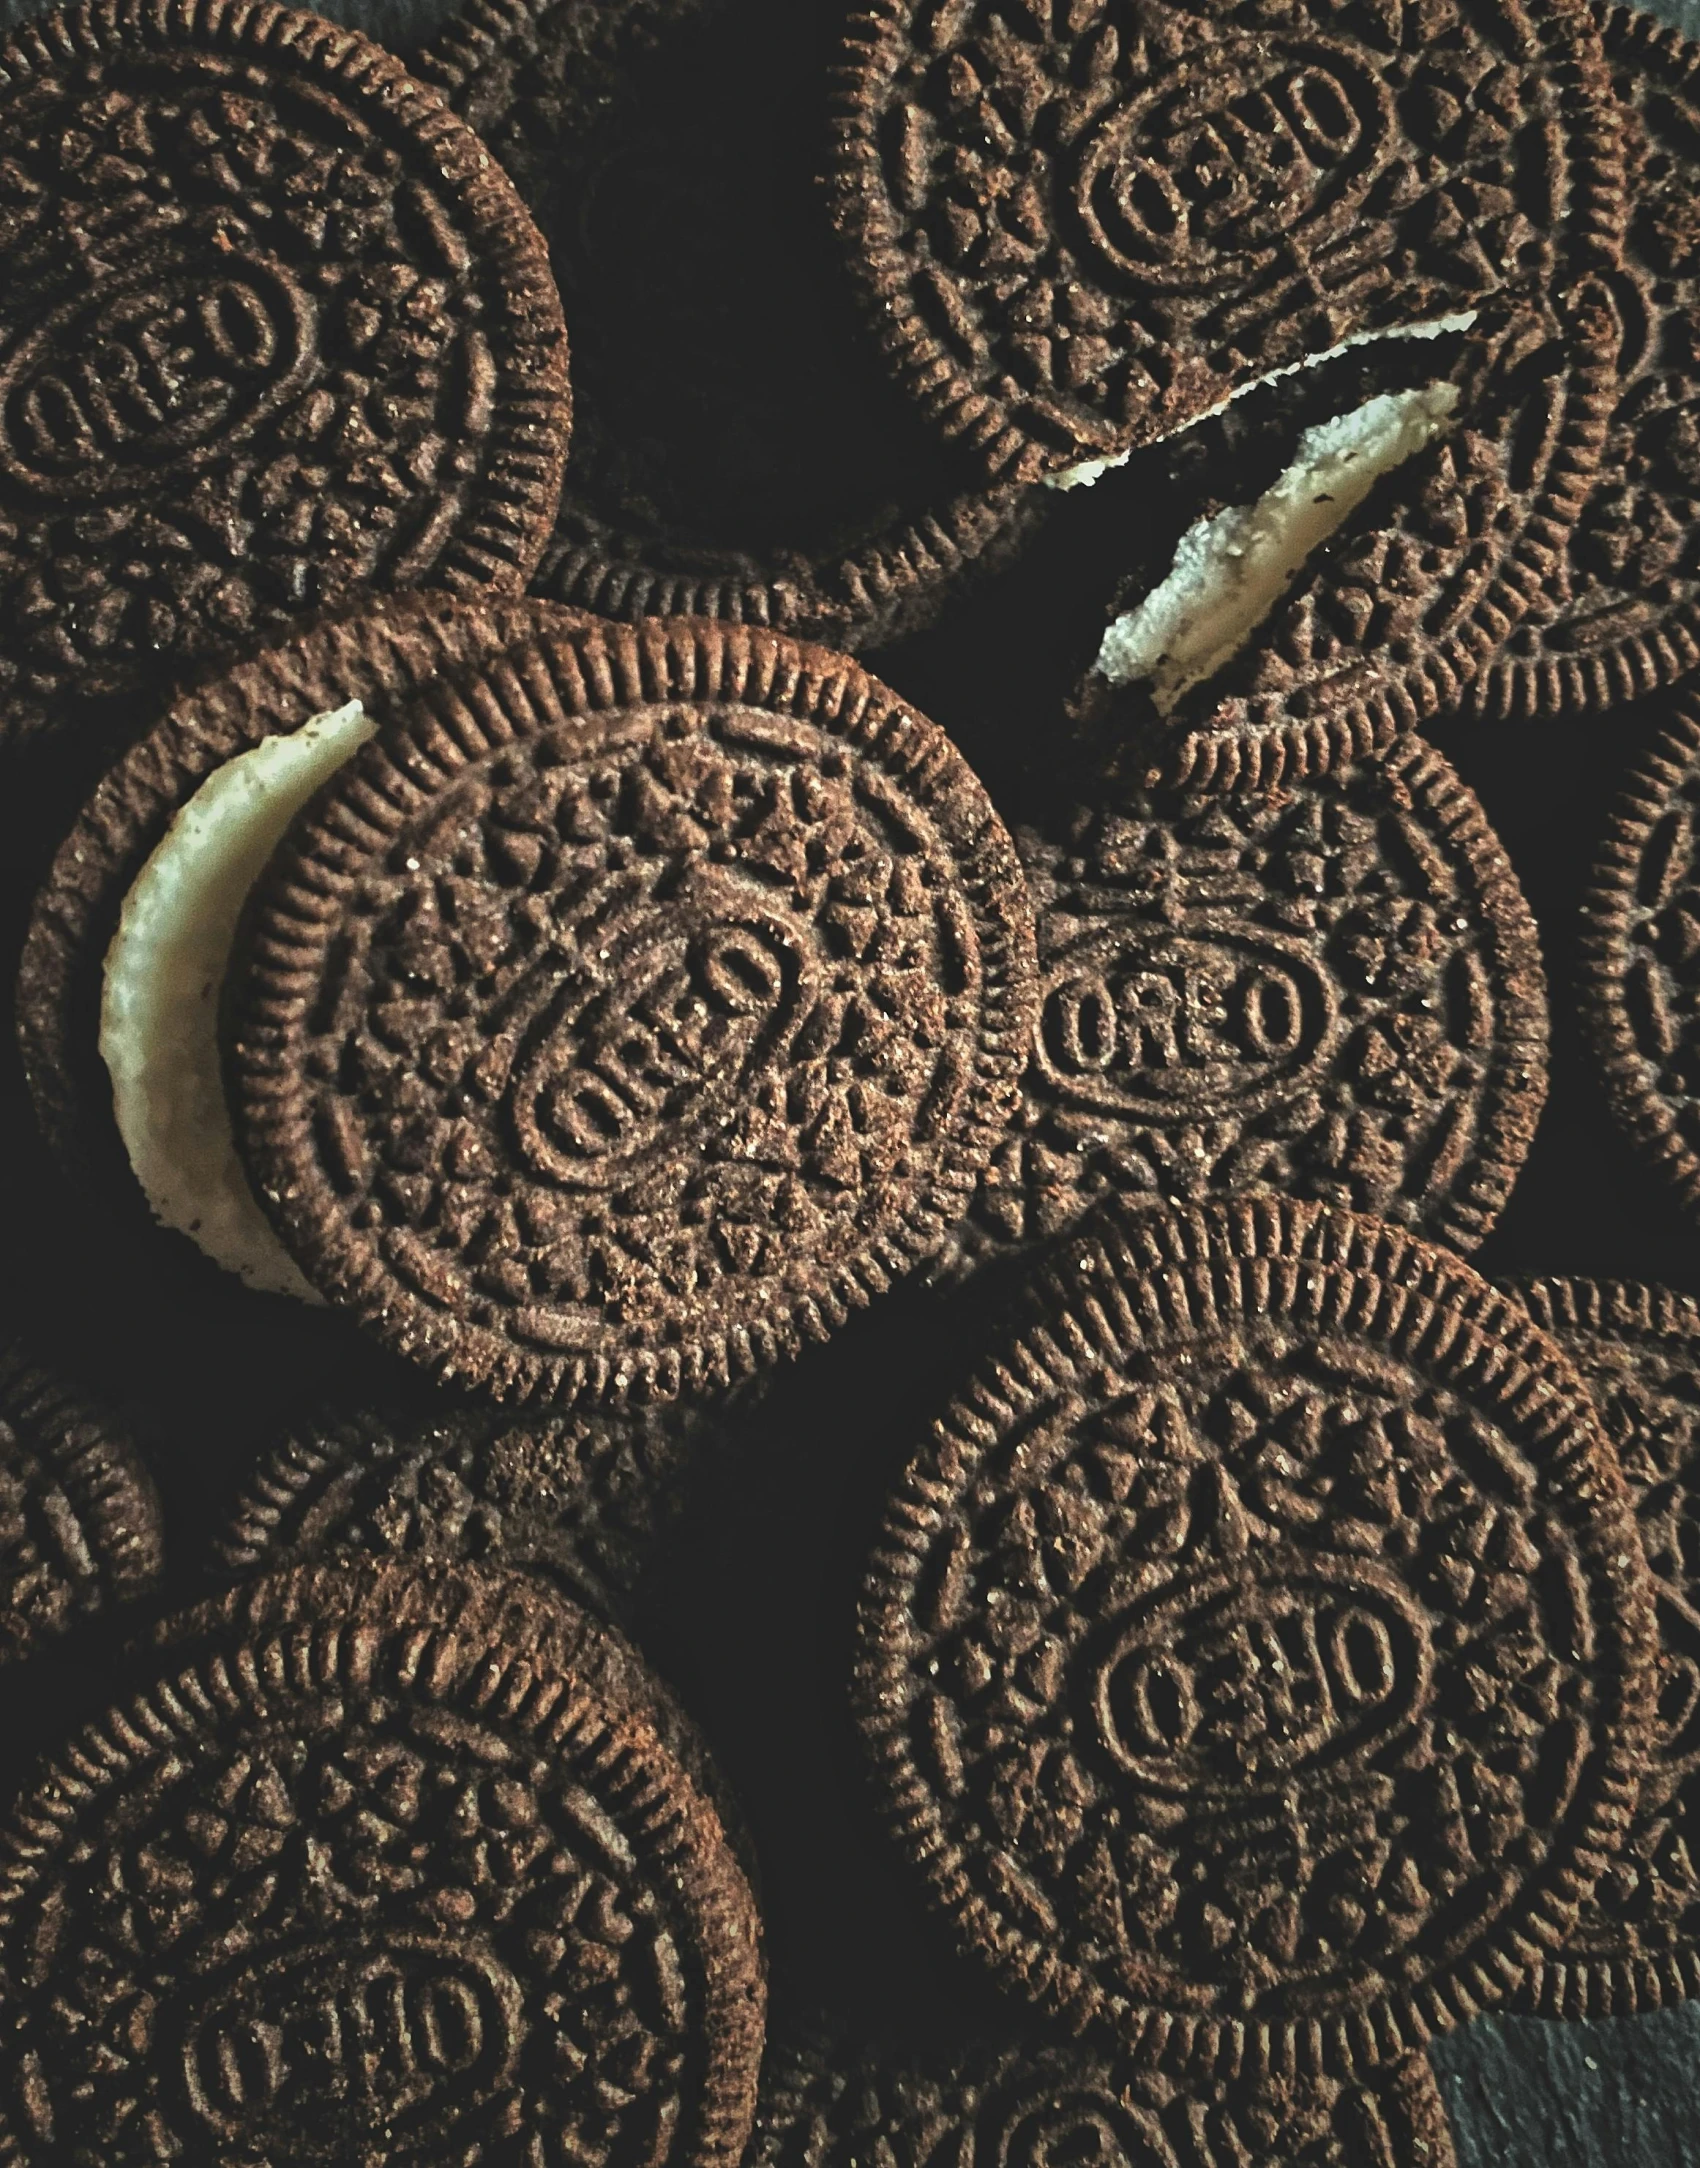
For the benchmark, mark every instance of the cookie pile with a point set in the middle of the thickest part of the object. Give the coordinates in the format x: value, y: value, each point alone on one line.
x: 566, y: 1133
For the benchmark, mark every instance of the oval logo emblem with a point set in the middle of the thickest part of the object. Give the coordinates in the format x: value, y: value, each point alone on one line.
x: 405, y: 2038
x: 134, y: 378
x: 1179, y: 188
x: 670, y: 1017
x: 1241, y: 1683
x: 1166, y: 1027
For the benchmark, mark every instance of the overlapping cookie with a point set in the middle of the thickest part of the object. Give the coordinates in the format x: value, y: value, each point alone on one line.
x: 1332, y: 992
x: 274, y: 330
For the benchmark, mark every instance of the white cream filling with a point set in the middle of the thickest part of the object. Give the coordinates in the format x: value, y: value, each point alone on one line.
x: 164, y: 972
x: 1231, y: 569
x: 1085, y: 472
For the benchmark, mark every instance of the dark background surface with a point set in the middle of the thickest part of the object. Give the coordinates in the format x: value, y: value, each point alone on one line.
x: 749, y: 1609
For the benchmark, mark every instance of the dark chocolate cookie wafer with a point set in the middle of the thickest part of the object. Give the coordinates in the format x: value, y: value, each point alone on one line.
x: 1335, y: 992
x: 1258, y: 1659
x: 381, y: 1865
x: 828, y: 2104
x: 1636, y: 1943
x: 1397, y: 611
x: 582, y: 1500
x: 1619, y: 615
x: 274, y: 330
x: 635, y: 1009
x: 1080, y: 224
x: 79, y: 1517
x: 380, y: 654
x: 1639, y: 964
x: 739, y: 451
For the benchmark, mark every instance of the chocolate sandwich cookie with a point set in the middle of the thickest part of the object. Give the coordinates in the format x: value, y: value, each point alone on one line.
x: 1620, y: 614
x: 79, y: 1517
x: 274, y: 330
x: 379, y: 653
x: 379, y: 1865
x: 1636, y: 1942
x: 827, y: 2103
x: 579, y: 1500
x: 738, y: 452
x: 629, y: 1012
x: 1335, y: 992
x: 1384, y: 623
x: 1639, y: 961
x: 1078, y: 225
x: 1258, y: 1659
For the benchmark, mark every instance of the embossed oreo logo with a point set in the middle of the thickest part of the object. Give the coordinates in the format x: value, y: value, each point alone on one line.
x: 136, y: 377
x: 1159, y: 1026
x: 408, y: 2037
x: 667, y: 1019
x: 1237, y: 1682
x: 1178, y: 187
x: 1077, y: 2129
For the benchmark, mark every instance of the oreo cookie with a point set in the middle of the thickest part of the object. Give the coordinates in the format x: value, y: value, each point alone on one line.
x: 1257, y: 1661
x: 80, y: 1527
x: 1620, y: 614
x: 276, y: 330
x: 1639, y: 961
x: 739, y: 453
x: 580, y: 1501
x: 410, y: 1871
x: 828, y: 2103
x: 1333, y: 992
x: 378, y: 656
x: 1079, y: 227
x: 1383, y: 624
x: 1636, y: 1943
x: 640, y: 1005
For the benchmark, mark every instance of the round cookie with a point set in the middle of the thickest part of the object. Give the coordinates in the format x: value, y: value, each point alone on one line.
x: 630, y: 1012
x: 409, y: 1871
x: 1639, y: 962
x: 826, y: 2103
x: 1080, y: 225
x: 738, y: 450
x: 380, y: 653
x: 79, y: 1517
x: 1396, y: 612
x: 1619, y: 615
x: 581, y: 1501
x: 1257, y: 1660
x: 275, y: 329
x: 1636, y: 1943
x: 1335, y: 992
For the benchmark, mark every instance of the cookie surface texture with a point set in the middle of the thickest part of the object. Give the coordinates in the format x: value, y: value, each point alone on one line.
x: 380, y: 654
x: 739, y: 451
x: 1332, y: 993
x: 1621, y: 614
x: 826, y: 2103
x: 434, y: 1887
x: 1639, y: 964
x: 275, y: 330
x: 80, y: 1522
x: 1404, y: 605
x: 579, y: 1500
x: 1081, y: 224
x: 1257, y: 1660
x: 642, y: 1006
x: 1636, y: 1944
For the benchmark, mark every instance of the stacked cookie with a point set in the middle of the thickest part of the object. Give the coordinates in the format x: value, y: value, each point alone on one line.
x: 521, y: 1036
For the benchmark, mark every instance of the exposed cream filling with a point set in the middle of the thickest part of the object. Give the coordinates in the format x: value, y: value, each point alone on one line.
x: 164, y: 973
x: 1231, y: 569
x: 1085, y: 472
